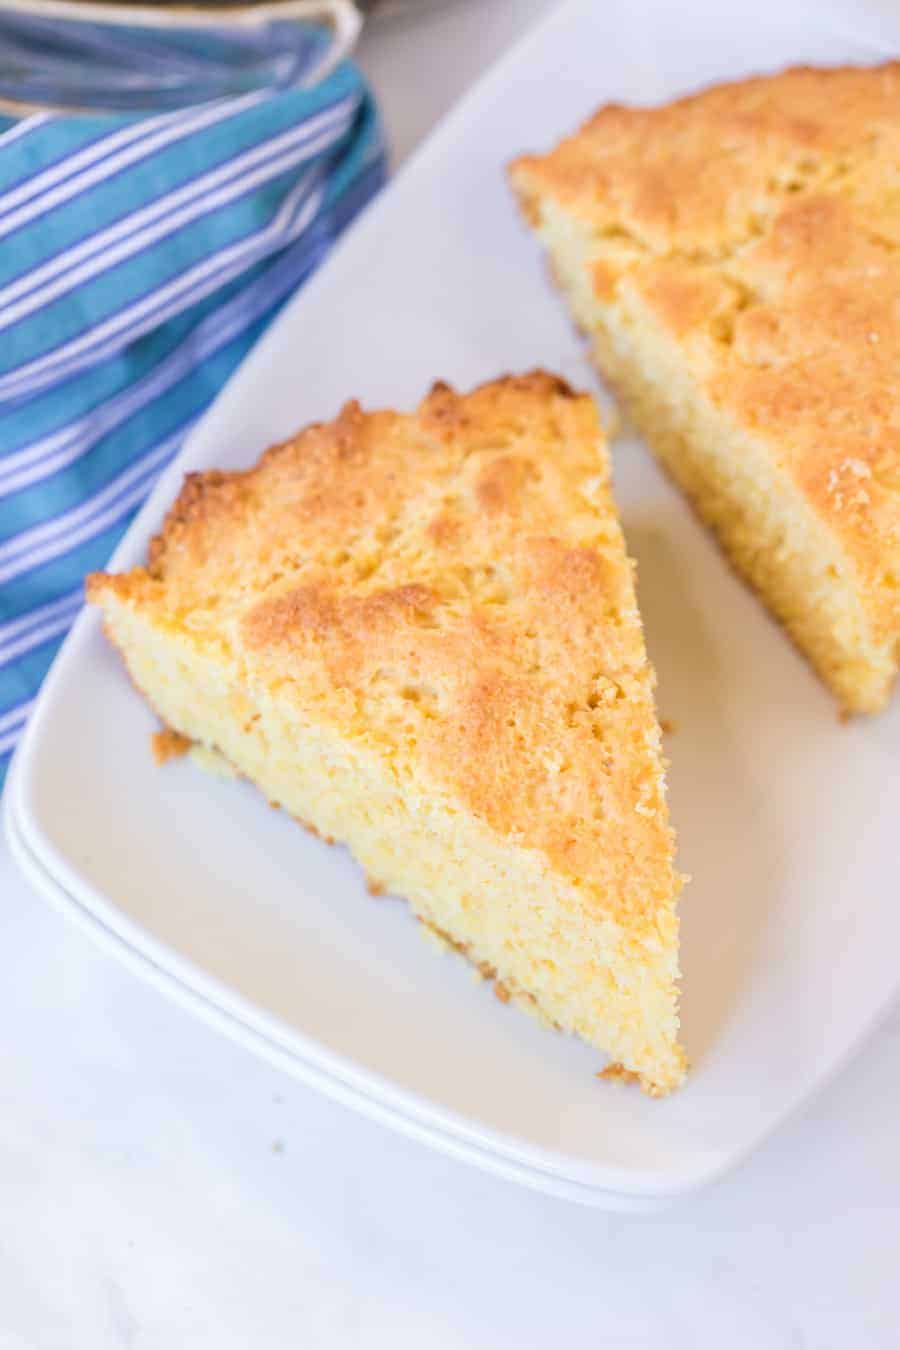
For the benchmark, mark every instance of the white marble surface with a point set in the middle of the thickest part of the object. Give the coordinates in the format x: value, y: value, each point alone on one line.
x: 161, y: 1188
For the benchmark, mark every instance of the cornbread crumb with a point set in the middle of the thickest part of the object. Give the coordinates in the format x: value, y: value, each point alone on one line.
x: 617, y: 1073
x: 733, y: 257
x: 420, y: 635
x: 168, y: 744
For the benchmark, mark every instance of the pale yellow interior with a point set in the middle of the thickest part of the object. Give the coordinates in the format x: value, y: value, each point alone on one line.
x: 759, y: 515
x: 502, y: 903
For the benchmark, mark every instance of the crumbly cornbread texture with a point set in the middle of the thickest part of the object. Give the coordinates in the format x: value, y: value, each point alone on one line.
x: 735, y: 259
x: 419, y: 634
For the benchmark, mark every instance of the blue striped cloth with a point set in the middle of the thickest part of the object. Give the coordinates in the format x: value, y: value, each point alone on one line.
x: 139, y: 261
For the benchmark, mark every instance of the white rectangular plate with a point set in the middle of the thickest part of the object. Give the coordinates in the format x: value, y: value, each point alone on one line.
x: 787, y: 819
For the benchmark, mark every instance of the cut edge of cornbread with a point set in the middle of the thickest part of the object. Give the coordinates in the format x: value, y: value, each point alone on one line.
x: 761, y: 520
x: 550, y: 948
x: 767, y: 525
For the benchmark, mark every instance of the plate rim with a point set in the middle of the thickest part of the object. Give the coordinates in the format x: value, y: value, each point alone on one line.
x: 375, y: 1097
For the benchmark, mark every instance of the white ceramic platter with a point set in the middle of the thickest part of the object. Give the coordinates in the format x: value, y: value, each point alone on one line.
x: 788, y: 820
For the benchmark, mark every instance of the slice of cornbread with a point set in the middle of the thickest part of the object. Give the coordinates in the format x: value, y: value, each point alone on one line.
x: 735, y: 259
x: 419, y: 635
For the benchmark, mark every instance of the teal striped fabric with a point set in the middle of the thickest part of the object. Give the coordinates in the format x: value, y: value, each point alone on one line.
x: 139, y: 261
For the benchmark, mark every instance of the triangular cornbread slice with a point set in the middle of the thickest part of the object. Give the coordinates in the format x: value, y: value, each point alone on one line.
x: 735, y: 259
x: 419, y: 635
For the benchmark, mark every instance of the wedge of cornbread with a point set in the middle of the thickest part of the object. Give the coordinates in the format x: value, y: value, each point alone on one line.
x: 734, y: 258
x: 419, y: 635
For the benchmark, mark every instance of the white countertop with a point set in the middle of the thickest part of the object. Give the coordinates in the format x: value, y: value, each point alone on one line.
x: 159, y: 1187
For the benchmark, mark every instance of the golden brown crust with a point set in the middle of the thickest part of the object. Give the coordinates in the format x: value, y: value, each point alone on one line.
x: 759, y: 222
x: 451, y: 589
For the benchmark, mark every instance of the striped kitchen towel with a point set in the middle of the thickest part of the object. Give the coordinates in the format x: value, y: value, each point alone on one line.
x: 139, y: 261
